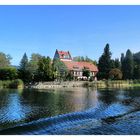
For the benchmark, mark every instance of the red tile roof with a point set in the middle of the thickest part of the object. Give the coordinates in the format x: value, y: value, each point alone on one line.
x: 63, y: 53
x: 72, y: 65
x: 88, y: 65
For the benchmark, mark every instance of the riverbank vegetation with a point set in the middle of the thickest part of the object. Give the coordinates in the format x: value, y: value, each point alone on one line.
x: 112, y: 83
x: 11, y: 84
x: 40, y: 68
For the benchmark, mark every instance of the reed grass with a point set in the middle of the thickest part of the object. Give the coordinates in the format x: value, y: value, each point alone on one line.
x: 112, y: 83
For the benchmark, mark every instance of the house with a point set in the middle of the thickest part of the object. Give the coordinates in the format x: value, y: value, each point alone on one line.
x: 64, y: 56
x: 74, y: 67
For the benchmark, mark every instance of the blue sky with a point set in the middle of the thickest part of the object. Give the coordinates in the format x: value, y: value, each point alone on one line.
x: 83, y: 30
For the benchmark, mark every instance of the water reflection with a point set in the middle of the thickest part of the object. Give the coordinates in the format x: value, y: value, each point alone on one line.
x: 28, y: 105
x: 12, y: 108
x: 108, y: 96
x: 18, y: 107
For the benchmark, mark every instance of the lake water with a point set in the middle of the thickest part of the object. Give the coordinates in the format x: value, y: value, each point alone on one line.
x: 70, y: 111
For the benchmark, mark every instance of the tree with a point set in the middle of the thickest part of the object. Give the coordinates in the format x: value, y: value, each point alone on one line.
x: 115, y: 74
x: 70, y: 76
x: 86, y: 73
x: 85, y: 59
x: 60, y: 71
x: 8, y: 73
x: 24, y: 73
x: 122, y: 58
x: 136, y: 57
x: 24, y: 62
x: 33, y: 66
x: 128, y: 65
x: 45, y: 69
x: 35, y: 57
x: 112, y: 63
x: 79, y: 58
x: 104, y: 64
x: 117, y: 64
x: 4, y: 60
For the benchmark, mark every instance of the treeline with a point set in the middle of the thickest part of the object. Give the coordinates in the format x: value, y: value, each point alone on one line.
x: 41, y: 68
x: 85, y: 59
x: 127, y: 67
x: 37, y: 68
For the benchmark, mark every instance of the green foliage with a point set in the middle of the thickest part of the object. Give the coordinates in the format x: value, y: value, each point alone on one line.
x: 41, y: 68
x: 28, y: 69
x: 79, y: 58
x: 115, y: 74
x: 60, y: 71
x: 17, y: 83
x: 8, y: 73
x: 122, y: 58
x: 70, y: 76
x: 105, y: 63
x: 128, y: 65
x: 24, y: 62
x: 136, y: 65
x: 86, y: 73
x: 117, y: 64
x: 35, y: 57
x: 4, y: 60
x: 33, y: 66
x: 23, y: 71
x: 136, y: 71
x: 45, y: 69
x: 85, y: 59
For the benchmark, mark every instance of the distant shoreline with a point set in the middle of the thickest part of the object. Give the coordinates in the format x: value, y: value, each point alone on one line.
x: 94, y: 84
x: 16, y: 84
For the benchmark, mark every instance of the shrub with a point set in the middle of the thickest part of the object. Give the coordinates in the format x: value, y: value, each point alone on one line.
x: 115, y: 74
x: 11, y: 84
x: 8, y: 73
x: 16, y: 84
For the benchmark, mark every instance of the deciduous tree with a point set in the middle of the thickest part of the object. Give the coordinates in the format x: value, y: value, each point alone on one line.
x: 115, y: 74
x: 4, y: 60
x: 60, y: 70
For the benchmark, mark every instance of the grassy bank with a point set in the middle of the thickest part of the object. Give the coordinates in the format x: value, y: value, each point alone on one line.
x: 11, y: 84
x: 135, y: 85
x: 113, y: 84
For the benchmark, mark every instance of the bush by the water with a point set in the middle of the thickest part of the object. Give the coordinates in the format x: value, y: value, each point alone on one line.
x: 8, y: 73
x: 11, y: 84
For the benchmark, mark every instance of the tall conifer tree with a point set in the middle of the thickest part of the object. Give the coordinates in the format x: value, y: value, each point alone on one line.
x: 105, y: 64
x: 128, y: 65
x: 23, y: 69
